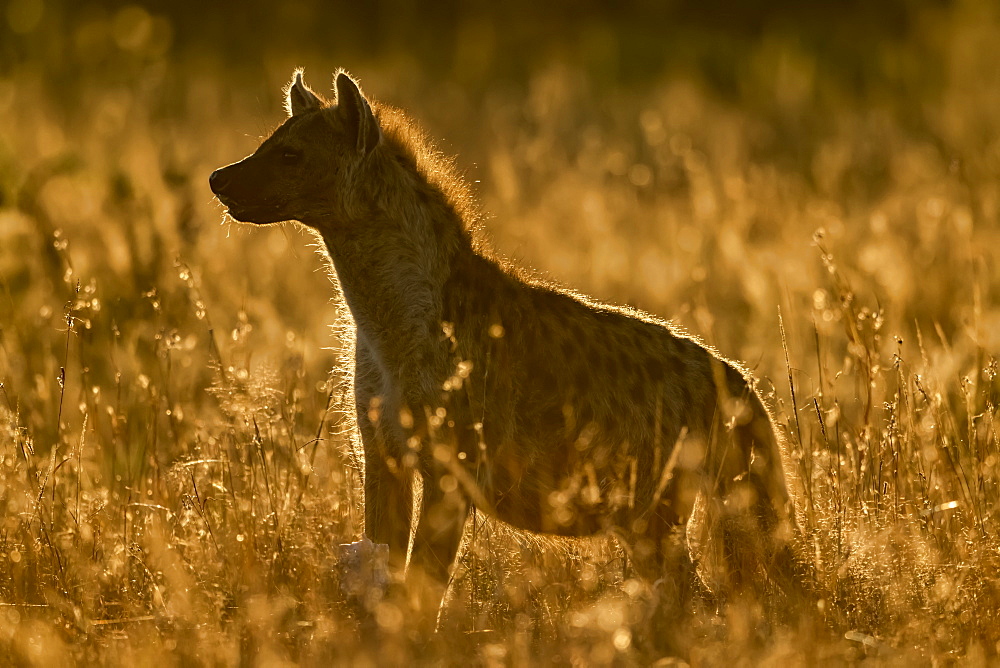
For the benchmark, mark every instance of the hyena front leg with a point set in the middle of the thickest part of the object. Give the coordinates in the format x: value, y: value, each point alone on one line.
x: 388, y: 498
x: 420, y: 519
x: 388, y: 489
x: 366, y: 565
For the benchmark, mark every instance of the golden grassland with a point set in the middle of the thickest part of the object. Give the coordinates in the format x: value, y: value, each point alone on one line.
x: 174, y: 467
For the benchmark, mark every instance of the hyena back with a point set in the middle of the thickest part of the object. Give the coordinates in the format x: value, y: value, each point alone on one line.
x: 550, y: 411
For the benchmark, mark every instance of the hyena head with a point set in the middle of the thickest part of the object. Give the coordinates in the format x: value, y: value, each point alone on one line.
x: 305, y: 169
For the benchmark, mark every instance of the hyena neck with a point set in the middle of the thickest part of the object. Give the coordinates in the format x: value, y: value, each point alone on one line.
x: 393, y: 260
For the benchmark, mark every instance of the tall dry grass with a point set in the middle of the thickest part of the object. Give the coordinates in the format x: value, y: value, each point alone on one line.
x: 174, y: 469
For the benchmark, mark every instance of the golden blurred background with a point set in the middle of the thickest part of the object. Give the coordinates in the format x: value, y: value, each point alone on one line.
x: 171, y: 481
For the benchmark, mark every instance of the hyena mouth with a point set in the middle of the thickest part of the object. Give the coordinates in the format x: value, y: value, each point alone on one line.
x: 258, y: 214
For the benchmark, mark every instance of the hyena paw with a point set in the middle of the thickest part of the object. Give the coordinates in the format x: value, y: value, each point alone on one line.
x: 364, y: 570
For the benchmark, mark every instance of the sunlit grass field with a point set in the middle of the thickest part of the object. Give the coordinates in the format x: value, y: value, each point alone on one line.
x: 175, y: 469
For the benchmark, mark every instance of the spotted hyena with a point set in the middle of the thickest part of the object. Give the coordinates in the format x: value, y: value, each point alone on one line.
x: 551, y: 411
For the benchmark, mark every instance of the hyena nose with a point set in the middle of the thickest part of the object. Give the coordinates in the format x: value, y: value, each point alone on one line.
x: 218, y: 181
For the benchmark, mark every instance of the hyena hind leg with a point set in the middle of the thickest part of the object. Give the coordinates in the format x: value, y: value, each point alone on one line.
x: 659, y: 553
x: 750, y: 521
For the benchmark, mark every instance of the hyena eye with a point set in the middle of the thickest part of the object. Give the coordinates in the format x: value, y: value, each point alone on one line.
x: 291, y: 156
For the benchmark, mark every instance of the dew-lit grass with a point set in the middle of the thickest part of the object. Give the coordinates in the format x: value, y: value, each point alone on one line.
x: 175, y: 467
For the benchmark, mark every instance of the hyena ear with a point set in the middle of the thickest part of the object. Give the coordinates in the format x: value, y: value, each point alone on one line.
x: 357, y: 113
x: 299, y: 98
